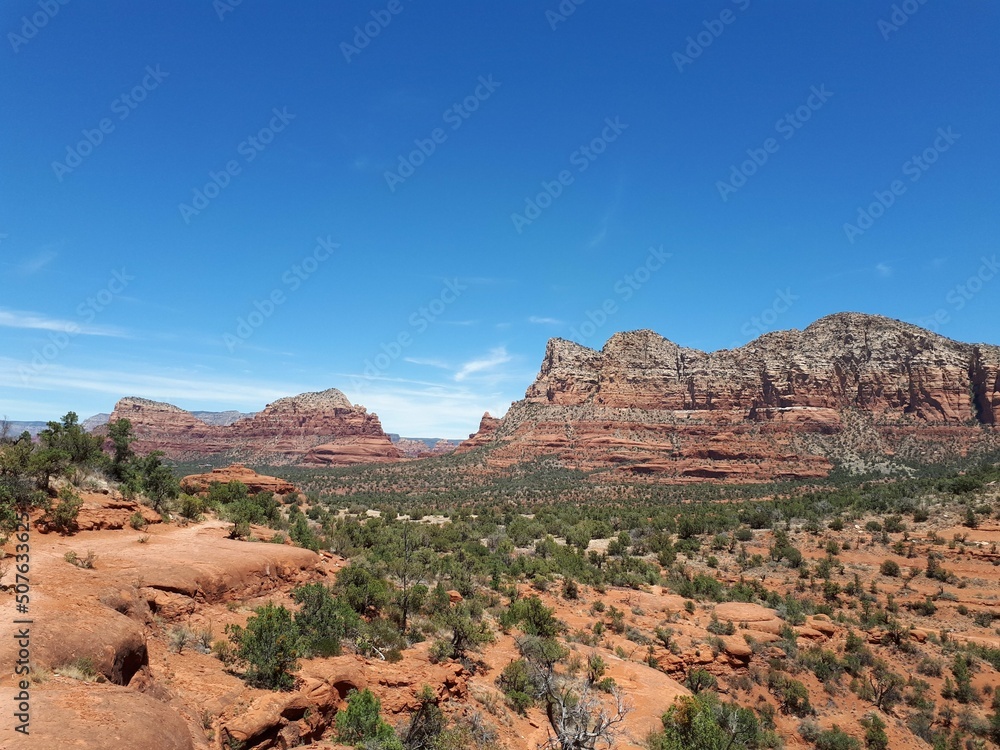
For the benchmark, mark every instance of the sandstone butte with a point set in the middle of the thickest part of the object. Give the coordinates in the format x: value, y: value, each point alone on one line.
x: 312, y: 428
x: 238, y: 473
x: 780, y: 407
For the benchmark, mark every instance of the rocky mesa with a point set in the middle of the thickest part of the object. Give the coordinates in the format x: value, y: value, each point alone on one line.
x: 321, y: 428
x: 780, y: 407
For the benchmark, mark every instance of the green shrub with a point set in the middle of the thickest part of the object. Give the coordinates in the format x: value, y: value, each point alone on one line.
x: 63, y: 516
x: 702, y: 722
x: 426, y: 724
x: 269, y: 646
x: 515, y: 682
x: 889, y: 568
x: 303, y: 535
x: 875, y: 736
x: 192, y: 507
x: 698, y: 680
x: 361, y: 723
x: 792, y: 695
x: 836, y: 739
x: 323, y: 620
x: 364, y: 591
x: 533, y: 617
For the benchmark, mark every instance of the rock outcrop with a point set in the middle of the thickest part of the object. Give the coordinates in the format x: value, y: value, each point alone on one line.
x: 238, y: 473
x: 487, y: 426
x: 424, y: 447
x: 779, y: 407
x: 67, y: 713
x: 322, y: 428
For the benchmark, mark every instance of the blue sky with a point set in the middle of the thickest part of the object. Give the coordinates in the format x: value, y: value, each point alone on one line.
x: 218, y: 204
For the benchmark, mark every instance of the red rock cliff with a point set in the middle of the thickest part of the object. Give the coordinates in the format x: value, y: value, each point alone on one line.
x: 290, y: 430
x: 779, y: 407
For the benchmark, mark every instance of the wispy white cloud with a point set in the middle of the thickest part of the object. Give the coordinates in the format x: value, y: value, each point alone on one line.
x: 428, y: 362
x: 39, y: 321
x: 497, y: 356
x: 179, y: 388
x: 38, y: 261
x: 539, y: 320
x: 883, y: 269
x: 419, y: 409
x: 598, y: 238
x: 602, y: 234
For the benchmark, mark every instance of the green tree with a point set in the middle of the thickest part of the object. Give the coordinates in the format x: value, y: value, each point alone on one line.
x: 468, y: 632
x: 364, y: 591
x: 63, y: 516
x: 886, y: 686
x: 243, y: 509
x: 18, y: 491
x: 698, y: 680
x: 121, y: 435
x: 302, y: 534
x: 323, y: 620
x: 45, y: 463
x: 156, y: 480
x: 68, y: 436
x: 875, y: 736
x: 792, y: 695
x: 409, y: 564
x: 961, y: 668
x: 426, y: 723
x: 702, y: 722
x: 269, y: 646
x: 516, y: 683
x: 361, y: 723
x: 532, y: 616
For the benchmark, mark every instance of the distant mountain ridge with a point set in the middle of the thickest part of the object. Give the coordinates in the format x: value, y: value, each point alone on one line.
x: 408, y: 447
x: 783, y: 406
x: 321, y: 428
x: 15, y: 429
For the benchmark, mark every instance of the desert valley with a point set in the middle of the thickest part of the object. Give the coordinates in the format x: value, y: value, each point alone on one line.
x: 790, y: 544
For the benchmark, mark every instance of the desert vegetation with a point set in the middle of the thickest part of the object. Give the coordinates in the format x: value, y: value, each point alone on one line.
x: 851, y: 613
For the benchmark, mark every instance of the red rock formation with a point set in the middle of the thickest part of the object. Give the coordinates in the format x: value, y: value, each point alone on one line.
x: 487, y: 426
x: 423, y: 448
x: 778, y: 407
x: 238, y: 473
x: 286, y: 431
x: 354, y: 449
